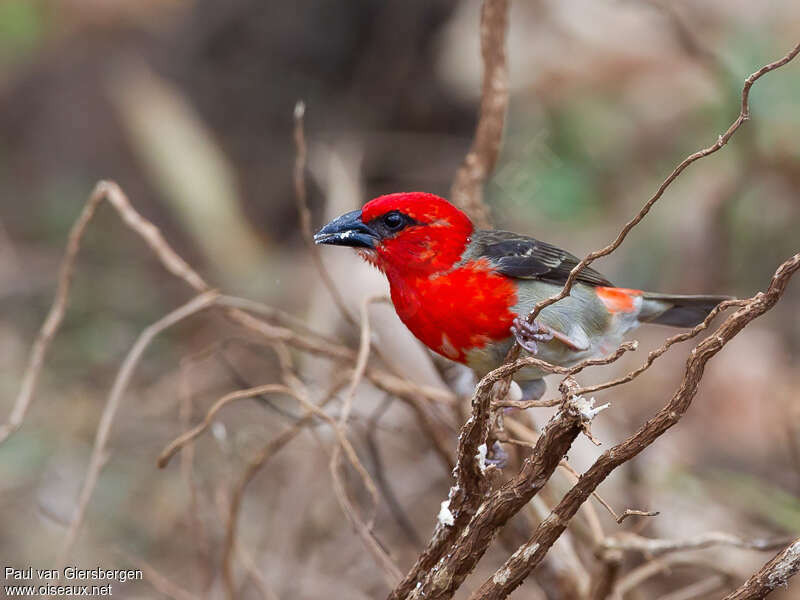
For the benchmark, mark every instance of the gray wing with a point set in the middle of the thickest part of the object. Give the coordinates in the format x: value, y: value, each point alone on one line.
x: 524, y: 257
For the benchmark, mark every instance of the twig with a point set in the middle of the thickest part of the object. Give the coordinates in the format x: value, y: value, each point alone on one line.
x: 630, y: 512
x: 159, y: 582
x: 697, y: 589
x: 566, y: 567
x: 744, y: 115
x: 525, y: 404
x: 262, y: 585
x: 241, y: 381
x: 661, y: 350
x: 301, y: 198
x: 321, y: 346
x: 437, y: 575
x: 654, y: 547
x: 384, y: 483
x: 188, y: 436
x: 105, y: 190
x: 273, y: 313
x: 98, y: 456
x: 255, y: 465
x: 390, y: 570
x: 467, y: 189
x: 517, y: 568
x: 199, y: 532
x: 361, y: 359
x: 639, y: 575
x: 592, y: 517
x: 391, y: 573
x: 774, y: 573
x: 475, y: 431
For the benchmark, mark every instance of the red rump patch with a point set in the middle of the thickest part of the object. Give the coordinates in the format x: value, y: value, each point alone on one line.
x: 618, y: 299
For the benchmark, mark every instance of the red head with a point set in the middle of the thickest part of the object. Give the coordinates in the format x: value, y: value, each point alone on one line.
x: 403, y: 233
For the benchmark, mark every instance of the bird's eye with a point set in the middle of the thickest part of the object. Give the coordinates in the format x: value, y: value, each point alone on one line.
x: 394, y: 221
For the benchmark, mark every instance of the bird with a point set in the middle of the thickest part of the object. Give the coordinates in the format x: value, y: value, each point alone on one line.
x: 465, y: 292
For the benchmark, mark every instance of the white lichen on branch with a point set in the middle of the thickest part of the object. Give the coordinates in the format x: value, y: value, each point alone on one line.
x: 445, y: 516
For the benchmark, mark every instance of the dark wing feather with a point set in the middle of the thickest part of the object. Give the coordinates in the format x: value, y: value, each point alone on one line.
x: 523, y: 257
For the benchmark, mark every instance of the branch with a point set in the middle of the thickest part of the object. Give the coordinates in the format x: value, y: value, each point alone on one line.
x: 231, y: 544
x: 633, y: 542
x: 391, y: 573
x: 744, y: 115
x: 477, y: 517
x: 776, y: 572
x: 98, y: 456
x: 661, y: 350
x: 637, y: 576
x: 525, y: 559
x: 699, y: 589
x: 105, y: 190
x: 189, y: 436
x: 304, y: 214
x: 467, y: 189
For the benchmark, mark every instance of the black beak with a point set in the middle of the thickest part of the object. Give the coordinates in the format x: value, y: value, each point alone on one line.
x: 347, y: 230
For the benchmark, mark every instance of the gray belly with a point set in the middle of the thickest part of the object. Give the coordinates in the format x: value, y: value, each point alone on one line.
x: 580, y: 316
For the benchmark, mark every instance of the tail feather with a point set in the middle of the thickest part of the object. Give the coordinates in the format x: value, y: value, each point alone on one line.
x: 677, y: 310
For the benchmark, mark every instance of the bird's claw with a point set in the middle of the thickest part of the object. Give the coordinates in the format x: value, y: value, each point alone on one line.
x: 499, y: 456
x: 527, y: 334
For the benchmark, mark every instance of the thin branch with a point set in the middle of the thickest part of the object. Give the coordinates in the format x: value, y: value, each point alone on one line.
x: 256, y: 464
x: 467, y: 492
x: 384, y: 482
x: 391, y: 573
x: 104, y: 190
x: 98, y: 456
x: 437, y: 575
x: 261, y: 584
x: 319, y: 345
x: 661, y: 350
x: 744, y: 115
x: 653, y: 547
x: 467, y: 189
x: 592, y: 517
x: 199, y: 531
x: 696, y: 590
x: 303, y: 339
x: 301, y: 198
x: 361, y: 358
x: 517, y: 568
x: 630, y: 512
x: 642, y: 573
x: 157, y: 580
x: 189, y: 436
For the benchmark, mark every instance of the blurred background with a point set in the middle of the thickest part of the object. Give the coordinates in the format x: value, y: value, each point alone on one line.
x: 188, y: 106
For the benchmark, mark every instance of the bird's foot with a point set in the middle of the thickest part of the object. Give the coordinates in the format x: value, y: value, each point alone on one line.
x: 528, y: 334
x: 499, y: 457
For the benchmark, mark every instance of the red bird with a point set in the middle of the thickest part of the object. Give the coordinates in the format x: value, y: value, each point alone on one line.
x: 465, y: 292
